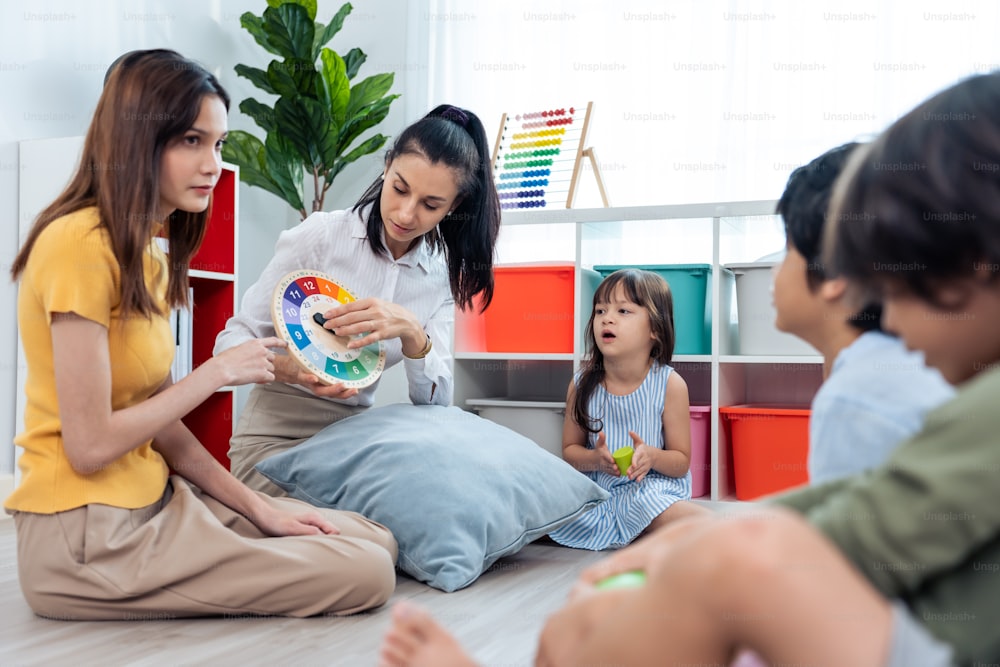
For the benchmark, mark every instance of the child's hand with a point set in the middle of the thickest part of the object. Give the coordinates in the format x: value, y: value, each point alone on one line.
x: 642, y: 458
x: 604, y: 461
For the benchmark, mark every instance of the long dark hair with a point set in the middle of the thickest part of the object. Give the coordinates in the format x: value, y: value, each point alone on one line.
x: 646, y: 289
x: 149, y: 98
x: 921, y: 207
x: 468, y: 235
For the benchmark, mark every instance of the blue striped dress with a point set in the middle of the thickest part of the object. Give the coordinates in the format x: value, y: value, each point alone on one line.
x: 632, y: 506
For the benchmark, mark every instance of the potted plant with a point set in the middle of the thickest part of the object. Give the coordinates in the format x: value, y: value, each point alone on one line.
x: 319, y: 115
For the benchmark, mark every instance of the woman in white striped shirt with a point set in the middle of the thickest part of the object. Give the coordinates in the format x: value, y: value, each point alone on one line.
x: 420, y: 240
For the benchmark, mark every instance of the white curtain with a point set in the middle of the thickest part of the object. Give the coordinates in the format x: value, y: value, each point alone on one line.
x: 705, y: 101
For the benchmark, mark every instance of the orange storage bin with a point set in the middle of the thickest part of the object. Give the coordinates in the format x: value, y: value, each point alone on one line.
x: 533, y: 309
x: 770, y: 447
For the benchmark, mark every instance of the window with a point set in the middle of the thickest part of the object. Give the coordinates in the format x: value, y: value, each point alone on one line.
x: 710, y: 101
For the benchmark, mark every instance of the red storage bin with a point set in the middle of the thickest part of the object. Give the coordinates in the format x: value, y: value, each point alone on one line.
x: 533, y: 310
x: 770, y: 447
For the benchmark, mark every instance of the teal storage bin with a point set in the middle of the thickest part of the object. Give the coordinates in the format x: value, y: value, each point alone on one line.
x: 690, y: 286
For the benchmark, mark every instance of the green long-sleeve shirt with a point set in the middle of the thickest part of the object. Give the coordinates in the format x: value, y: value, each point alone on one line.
x: 925, y: 527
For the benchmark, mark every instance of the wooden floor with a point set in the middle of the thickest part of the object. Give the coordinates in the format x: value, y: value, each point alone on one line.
x: 498, y: 619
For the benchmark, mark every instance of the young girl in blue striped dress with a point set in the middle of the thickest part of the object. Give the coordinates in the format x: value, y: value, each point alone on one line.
x: 627, y: 395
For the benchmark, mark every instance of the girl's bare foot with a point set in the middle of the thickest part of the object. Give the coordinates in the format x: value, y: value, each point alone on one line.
x: 416, y: 640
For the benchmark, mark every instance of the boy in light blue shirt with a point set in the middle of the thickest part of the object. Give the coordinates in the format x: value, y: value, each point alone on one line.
x: 875, y: 392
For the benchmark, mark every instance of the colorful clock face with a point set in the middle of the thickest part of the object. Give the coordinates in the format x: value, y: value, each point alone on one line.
x: 300, y: 299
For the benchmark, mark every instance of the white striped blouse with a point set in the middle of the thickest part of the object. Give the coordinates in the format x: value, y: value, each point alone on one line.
x: 335, y: 243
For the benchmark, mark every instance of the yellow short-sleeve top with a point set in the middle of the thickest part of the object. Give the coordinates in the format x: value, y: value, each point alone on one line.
x: 73, y: 269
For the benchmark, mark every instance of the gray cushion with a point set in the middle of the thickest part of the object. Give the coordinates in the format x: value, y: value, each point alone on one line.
x: 458, y: 491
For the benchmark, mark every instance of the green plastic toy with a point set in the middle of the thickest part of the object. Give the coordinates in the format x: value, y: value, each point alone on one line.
x: 632, y: 579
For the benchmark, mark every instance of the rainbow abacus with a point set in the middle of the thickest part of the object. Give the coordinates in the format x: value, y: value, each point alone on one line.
x: 537, y: 157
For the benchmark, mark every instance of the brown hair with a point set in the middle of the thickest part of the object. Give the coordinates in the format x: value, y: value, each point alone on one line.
x: 646, y: 289
x: 149, y: 99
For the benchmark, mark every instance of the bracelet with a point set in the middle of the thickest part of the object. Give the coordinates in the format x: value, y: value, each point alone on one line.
x: 422, y: 353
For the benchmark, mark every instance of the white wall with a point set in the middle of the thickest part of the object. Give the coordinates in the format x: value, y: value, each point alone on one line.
x: 53, y: 55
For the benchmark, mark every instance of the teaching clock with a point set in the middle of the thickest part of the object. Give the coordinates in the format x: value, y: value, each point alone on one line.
x: 297, y: 307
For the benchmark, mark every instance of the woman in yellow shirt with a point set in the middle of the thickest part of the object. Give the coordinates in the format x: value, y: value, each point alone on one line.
x: 103, y: 530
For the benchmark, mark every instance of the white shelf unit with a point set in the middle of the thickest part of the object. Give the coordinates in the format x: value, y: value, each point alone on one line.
x: 715, y: 233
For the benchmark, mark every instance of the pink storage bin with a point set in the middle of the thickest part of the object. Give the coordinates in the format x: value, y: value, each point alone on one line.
x: 701, y: 461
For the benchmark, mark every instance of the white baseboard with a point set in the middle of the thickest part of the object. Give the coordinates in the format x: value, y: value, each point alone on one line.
x: 6, y: 488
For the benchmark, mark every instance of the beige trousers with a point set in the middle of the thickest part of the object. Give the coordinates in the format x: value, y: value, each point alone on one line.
x: 190, y: 555
x: 277, y: 417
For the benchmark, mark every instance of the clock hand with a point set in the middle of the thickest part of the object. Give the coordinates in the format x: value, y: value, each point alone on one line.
x: 320, y: 320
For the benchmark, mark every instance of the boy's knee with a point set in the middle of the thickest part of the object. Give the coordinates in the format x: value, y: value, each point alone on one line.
x: 769, y: 547
x: 748, y: 550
